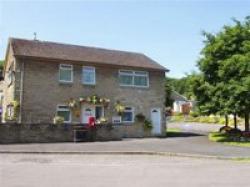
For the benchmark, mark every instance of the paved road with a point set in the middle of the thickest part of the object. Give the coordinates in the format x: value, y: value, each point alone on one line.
x: 197, y: 144
x: 120, y: 171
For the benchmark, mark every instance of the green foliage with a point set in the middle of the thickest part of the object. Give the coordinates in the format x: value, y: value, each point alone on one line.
x: 148, y: 124
x: 1, y: 64
x: 194, y: 114
x: 182, y: 85
x: 224, y: 83
x: 168, y: 91
x: 228, y: 139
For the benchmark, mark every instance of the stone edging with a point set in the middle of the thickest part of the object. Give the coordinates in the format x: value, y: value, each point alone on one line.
x: 170, y: 154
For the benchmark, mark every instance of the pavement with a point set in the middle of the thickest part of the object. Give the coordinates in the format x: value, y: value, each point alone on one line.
x: 36, y: 170
x: 193, y: 143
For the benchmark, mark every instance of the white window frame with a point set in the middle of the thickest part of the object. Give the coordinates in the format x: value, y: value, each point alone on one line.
x: 134, y: 74
x: 84, y: 68
x: 66, y: 67
x: 133, y: 114
x: 63, y: 110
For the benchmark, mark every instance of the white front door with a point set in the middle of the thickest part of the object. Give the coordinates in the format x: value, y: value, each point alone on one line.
x: 87, y: 111
x: 156, y: 120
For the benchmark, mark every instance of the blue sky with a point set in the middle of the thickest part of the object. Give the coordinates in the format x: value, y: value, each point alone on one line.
x: 167, y: 31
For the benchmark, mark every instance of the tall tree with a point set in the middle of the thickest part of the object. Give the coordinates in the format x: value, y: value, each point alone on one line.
x: 225, y: 67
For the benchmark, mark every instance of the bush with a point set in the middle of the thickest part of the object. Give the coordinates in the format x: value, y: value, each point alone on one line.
x: 234, y: 132
x: 246, y: 134
x: 222, y: 121
x: 177, y: 118
x: 194, y: 114
x: 178, y: 114
x: 148, y: 124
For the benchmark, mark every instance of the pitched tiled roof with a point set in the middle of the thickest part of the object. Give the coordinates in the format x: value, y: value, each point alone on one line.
x: 57, y: 51
x: 178, y: 97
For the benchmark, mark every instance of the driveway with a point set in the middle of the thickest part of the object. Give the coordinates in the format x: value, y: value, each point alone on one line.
x: 195, y: 144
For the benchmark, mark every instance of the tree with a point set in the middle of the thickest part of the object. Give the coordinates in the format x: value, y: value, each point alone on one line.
x: 1, y: 64
x: 168, y: 92
x: 225, y: 70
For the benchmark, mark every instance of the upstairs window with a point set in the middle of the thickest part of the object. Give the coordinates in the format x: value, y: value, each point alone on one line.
x: 63, y: 111
x: 133, y: 78
x: 141, y: 78
x: 88, y: 75
x: 126, y: 78
x: 66, y: 73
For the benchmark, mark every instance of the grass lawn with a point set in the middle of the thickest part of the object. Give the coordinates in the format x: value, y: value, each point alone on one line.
x: 224, y: 138
x: 172, y: 132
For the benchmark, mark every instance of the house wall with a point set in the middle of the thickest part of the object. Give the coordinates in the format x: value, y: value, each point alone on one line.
x: 177, y: 105
x: 8, y: 89
x: 43, y: 92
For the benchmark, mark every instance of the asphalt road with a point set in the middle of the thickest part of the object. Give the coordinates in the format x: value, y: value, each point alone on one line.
x: 18, y: 170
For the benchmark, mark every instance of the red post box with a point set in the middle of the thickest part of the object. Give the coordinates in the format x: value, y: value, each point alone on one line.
x: 91, y: 121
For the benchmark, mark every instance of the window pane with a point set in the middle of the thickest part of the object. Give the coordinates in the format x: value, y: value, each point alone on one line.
x: 126, y: 72
x: 65, y: 75
x: 98, y: 112
x: 88, y: 77
x: 126, y: 79
x: 140, y: 73
x: 127, y: 116
x: 64, y: 114
x: 140, y: 81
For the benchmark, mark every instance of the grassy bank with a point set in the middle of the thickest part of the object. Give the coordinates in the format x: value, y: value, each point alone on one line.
x: 227, y: 139
x: 204, y: 119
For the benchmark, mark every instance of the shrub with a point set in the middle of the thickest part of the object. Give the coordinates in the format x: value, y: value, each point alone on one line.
x: 194, y: 114
x: 222, y: 121
x: 178, y: 114
x: 246, y: 134
x: 177, y: 118
x: 234, y: 132
x: 148, y: 124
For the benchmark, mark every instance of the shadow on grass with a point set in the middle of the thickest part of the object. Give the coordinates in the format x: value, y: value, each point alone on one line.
x: 229, y: 139
x: 181, y: 134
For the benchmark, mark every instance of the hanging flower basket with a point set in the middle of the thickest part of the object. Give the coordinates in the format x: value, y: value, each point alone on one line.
x: 72, y: 103
x: 119, y: 108
x: 94, y: 99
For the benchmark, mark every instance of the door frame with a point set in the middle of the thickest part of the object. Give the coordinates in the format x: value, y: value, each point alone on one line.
x: 83, y: 106
x: 160, y: 121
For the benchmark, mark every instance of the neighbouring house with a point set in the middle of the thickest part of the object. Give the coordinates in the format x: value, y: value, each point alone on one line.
x: 181, y: 104
x: 46, y: 81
